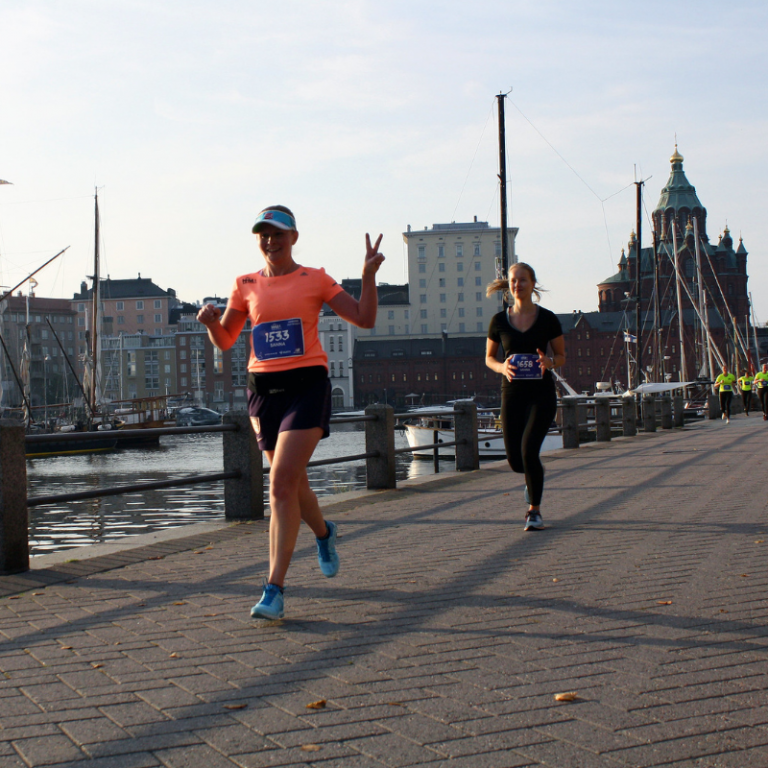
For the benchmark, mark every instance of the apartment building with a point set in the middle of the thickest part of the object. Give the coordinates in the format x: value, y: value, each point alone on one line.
x: 449, y: 267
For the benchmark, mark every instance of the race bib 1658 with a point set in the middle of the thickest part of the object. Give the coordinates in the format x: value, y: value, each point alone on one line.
x: 527, y: 366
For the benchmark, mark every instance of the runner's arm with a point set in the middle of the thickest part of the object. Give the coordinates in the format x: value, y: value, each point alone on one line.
x: 223, y: 331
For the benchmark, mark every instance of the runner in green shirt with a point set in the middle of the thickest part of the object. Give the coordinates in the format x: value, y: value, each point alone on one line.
x: 745, y: 387
x: 724, y: 383
x: 761, y: 382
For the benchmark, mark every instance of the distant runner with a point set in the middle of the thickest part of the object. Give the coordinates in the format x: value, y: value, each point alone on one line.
x: 745, y: 387
x: 289, y: 395
x: 725, y: 383
x: 528, y: 396
x: 761, y: 382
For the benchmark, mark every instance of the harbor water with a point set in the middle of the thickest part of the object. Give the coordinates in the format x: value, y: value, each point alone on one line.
x: 80, y: 523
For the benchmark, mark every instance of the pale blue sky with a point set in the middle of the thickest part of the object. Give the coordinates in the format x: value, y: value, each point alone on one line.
x: 361, y: 116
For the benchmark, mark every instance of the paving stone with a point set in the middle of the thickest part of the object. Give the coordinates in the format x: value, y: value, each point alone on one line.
x: 47, y: 750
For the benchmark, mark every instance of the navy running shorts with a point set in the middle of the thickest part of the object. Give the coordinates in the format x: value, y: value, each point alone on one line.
x: 303, y: 408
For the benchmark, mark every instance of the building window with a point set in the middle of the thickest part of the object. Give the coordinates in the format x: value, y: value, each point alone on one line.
x: 341, y: 342
x: 497, y: 249
x: 341, y: 369
x: 480, y: 327
x: 120, y: 320
x: 440, y: 251
x: 333, y: 369
x: 460, y: 297
x: 442, y: 298
x: 477, y: 249
x: 422, y: 282
x: 81, y: 321
x: 441, y: 267
x: 158, y: 318
x: 422, y: 298
x: 424, y: 328
x: 461, y: 311
x: 218, y: 360
x: 158, y: 304
x: 478, y: 266
x: 423, y: 314
x: 459, y: 249
x: 391, y: 314
x: 183, y: 341
x: 422, y: 269
x: 120, y: 306
x: 183, y: 381
x: 461, y: 330
x: 443, y: 313
x: 183, y: 367
x: 81, y: 307
x: 140, y: 319
x: 330, y: 343
x: 139, y: 305
x: 441, y: 282
x: 391, y: 330
x: 422, y: 252
x: 460, y: 267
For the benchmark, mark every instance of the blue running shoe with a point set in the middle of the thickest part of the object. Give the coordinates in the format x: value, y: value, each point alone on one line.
x: 326, y: 552
x: 527, y: 495
x: 533, y: 522
x: 271, y: 605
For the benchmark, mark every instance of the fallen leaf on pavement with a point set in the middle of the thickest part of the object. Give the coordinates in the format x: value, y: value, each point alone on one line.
x: 310, y: 747
x: 235, y: 706
x: 180, y: 602
x: 664, y: 602
x: 174, y: 655
x: 319, y: 704
x: 569, y: 696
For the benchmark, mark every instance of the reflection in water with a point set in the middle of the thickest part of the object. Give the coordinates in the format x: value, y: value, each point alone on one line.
x: 91, y: 521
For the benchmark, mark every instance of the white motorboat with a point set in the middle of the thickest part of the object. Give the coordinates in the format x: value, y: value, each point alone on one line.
x: 420, y: 431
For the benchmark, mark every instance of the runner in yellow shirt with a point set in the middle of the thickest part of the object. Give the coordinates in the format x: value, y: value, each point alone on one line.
x: 745, y: 387
x: 761, y: 382
x: 724, y: 383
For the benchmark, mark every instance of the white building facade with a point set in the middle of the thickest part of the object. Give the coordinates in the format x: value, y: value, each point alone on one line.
x: 449, y: 267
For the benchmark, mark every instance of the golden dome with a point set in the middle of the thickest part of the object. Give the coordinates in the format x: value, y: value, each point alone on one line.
x: 676, y: 157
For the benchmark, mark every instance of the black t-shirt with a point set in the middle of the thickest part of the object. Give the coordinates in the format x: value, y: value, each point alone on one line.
x: 545, y: 328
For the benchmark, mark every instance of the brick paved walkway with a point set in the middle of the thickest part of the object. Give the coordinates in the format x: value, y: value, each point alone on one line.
x: 443, y: 640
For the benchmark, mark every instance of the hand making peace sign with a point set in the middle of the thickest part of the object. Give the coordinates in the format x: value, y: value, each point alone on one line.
x: 373, y: 258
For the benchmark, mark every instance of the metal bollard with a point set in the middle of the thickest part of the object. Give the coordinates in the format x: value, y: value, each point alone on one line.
x: 14, y: 520
x: 679, y: 411
x: 666, y: 413
x: 244, y: 496
x: 380, y: 437
x: 465, y: 420
x: 649, y: 413
x: 629, y: 416
x: 713, y: 403
x: 570, y: 422
x: 603, y: 419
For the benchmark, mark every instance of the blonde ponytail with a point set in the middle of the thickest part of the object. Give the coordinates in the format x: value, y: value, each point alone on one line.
x: 500, y: 284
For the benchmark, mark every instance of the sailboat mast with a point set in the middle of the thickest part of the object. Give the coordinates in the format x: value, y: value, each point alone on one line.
x: 680, y: 324
x: 638, y: 288
x: 503, y: 188
x: 95, y: 306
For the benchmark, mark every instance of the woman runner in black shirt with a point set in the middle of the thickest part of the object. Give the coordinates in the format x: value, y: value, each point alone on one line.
x: 528, y: 396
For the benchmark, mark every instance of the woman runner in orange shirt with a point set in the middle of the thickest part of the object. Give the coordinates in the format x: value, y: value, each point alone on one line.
x: 289, y: 395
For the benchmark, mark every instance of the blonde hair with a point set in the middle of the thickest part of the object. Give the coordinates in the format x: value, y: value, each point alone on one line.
x: 502, y: 284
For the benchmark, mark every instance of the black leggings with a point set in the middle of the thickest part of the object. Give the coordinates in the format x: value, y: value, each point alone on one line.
x: 762, y: 393
x: 725, y: 403
x: 746, y: 399
x: 525, y: 421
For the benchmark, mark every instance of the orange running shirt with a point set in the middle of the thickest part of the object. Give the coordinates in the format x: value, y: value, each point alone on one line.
x: 284, y: 311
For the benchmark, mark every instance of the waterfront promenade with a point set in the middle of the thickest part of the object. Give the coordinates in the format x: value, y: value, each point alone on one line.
x: 445, y: 637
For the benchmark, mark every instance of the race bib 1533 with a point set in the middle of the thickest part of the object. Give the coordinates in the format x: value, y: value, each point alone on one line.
x: 282, y: 338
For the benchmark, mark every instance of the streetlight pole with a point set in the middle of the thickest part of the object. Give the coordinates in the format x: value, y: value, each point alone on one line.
x: 45, y: 388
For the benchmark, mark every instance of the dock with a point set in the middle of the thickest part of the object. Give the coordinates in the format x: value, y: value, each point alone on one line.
x: 632, y: 632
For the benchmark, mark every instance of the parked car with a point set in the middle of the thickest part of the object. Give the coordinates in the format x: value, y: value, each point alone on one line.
x: 195, y: 416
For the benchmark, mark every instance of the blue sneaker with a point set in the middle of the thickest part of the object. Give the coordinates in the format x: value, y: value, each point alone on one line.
x: 271, y: 605
x: 326, y: 552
